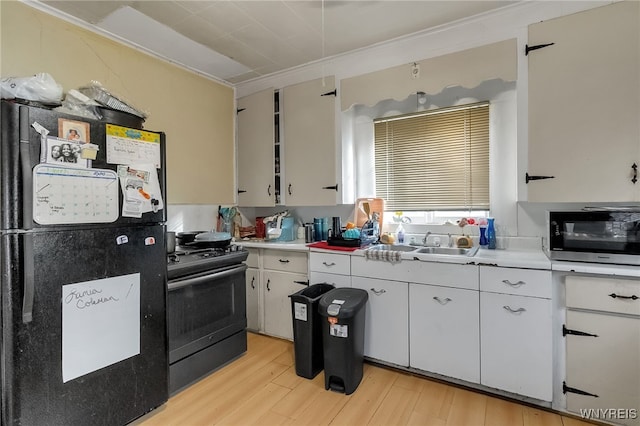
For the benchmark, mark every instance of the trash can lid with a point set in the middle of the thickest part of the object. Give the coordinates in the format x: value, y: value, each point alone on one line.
x: 313, y: 293
x: 343, y: 302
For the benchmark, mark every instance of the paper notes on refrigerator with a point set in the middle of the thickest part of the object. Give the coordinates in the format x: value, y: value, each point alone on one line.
x: 132, y: 146
x: 137, y: 154
x: 100, y: 324
x: 141, y: 189
x: 63, y: 195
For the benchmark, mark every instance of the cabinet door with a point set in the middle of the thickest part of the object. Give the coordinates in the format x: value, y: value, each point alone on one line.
x: 253, y: 299
x: 277, y: 286
x: 256, y: 150
x: 387, y: 320
x: 516, y: 344
x: 607, y: 365
x: 584, y: 105
x: 444, y: 331
x: 309, y: 143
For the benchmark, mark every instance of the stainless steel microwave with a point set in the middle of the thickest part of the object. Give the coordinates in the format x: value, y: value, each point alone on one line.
x: 602, y: 235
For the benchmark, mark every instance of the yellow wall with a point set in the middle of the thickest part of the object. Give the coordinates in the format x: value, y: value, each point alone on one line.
x: 195, y: 113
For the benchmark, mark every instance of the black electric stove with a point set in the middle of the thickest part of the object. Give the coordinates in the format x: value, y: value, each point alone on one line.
x: 188, y: 260
x: 206, y: 311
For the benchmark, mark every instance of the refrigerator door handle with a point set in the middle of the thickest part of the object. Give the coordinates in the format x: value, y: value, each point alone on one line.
x: 28, y: 280
x: 27, y: 170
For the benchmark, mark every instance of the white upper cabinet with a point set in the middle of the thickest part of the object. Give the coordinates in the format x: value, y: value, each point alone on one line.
x: 256, y: 177
x: 584, y: 104
x: 309, y: 143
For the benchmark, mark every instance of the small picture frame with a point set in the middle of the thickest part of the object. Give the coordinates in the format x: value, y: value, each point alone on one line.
x: 77, y: 131
x: 65, y: 153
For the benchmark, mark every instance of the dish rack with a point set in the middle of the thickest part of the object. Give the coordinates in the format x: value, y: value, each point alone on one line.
x: 368, y: 235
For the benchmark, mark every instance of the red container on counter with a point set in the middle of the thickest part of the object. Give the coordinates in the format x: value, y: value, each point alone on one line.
x: 260, y: 228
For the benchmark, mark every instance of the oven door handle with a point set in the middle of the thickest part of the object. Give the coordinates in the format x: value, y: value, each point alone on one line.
x: 206, y: 278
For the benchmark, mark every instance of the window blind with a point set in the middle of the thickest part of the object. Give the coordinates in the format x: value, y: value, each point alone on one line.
x: 434, y: 160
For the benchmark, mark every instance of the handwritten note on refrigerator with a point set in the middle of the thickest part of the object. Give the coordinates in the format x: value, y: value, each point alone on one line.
x: 100, y: 324
x: 129, y: 146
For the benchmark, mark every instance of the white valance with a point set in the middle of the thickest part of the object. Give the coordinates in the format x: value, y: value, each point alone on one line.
x: 467, y: 68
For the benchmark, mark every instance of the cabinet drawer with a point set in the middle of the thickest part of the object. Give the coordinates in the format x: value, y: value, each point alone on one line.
x: 252, y: 259
x: 331, y: 263
x: 520, y: 282
x: 333, y: 279
x: 444, y: 274
x: 288, y: 261
x: 603, y: 294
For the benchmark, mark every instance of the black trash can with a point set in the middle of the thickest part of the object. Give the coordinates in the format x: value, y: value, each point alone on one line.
x: 344, y: 311
x: 307, y: 329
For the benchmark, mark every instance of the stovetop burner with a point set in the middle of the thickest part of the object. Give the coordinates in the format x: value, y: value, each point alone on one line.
x: 187, y: 260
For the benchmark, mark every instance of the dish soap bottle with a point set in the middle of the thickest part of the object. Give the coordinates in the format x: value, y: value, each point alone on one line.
x: 491, y: 233
x: 400, y: 234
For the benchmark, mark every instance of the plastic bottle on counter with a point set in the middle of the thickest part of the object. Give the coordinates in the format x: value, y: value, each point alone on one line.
x: 400, y: 234
x: 491, y: 233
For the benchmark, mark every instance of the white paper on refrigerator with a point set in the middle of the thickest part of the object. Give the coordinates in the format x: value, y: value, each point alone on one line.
x: 131, y: 146
x: 100, y: 324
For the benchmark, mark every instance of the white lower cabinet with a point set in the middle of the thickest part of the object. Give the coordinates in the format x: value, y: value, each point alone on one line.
x: 272, y: 275
x: 387, y: 320
x: 604, y: 364
x: 516, y: 344
x: 444, y: 331
x: 277, y: 286
x: 603, y: 348
x: 253, y: 299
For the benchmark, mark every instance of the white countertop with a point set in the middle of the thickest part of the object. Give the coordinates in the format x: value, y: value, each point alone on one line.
x: 513, y: 257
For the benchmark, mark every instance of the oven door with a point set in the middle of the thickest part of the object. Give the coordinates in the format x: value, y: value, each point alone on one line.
x: 606, y: 236
x: 204, y: 309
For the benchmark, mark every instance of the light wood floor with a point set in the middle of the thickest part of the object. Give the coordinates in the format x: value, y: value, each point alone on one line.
x: 262, y: 388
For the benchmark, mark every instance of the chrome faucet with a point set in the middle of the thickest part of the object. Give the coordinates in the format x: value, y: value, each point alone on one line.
x: 426, y: 236
x: 450, y: 239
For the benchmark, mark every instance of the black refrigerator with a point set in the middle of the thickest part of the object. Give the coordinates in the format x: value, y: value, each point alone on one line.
x: 83, y: 265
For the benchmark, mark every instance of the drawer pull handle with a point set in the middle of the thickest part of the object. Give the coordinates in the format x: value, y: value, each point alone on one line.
x: 268, y: 282
x: 252, y: 281
x: 378, y: 292
x: 441, y: 301
x: 617, y: 296
x: 515, y: 285
x: 514, y: 311
x: 283, y: 261
x: 329, y: 264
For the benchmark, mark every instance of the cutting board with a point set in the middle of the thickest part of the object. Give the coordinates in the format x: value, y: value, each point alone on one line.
x: 375, y: 205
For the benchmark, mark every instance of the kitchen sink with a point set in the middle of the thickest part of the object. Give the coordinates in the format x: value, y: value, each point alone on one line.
x: 393, y: 247
x: 449, y: 250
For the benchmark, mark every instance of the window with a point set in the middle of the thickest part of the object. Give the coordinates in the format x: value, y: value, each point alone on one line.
x: 434, y: 160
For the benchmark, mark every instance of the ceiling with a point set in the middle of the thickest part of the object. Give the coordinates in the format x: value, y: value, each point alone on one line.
x: 236, y: 41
